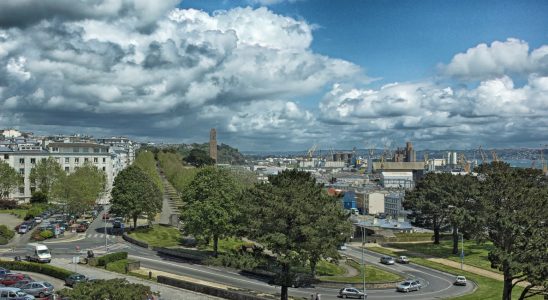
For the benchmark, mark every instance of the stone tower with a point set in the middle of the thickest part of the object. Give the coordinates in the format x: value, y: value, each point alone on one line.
x: 213, y: 144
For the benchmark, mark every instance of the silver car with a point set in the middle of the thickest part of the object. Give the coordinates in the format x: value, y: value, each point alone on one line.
x: 39, y: 289
x: 387, y: 260
x: 9, y: 293
x: 351, y: 292
x: 409, y: 286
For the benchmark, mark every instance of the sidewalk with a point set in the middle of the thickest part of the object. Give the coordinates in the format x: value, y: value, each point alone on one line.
x: 166, y: 292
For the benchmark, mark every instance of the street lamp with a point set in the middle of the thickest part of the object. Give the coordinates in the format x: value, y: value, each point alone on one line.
x: 363, y: 242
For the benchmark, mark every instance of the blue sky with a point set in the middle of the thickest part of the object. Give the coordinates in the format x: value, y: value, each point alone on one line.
x: 279, y: 74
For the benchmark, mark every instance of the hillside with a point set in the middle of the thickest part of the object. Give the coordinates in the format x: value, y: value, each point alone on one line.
x: 225, y: 153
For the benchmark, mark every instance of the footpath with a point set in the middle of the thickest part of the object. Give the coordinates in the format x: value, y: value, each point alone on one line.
x: 166, y: 292
x: 447, y: 262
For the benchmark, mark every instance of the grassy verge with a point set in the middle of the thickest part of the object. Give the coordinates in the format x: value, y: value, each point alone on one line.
x: 372, y: 274
x: 158, y: 236
x: 225, y: 245
x: 488, y: 288
x: 119, y: 266
x: 19, y: 213
x: 325, y: 268
x: 474, y: 254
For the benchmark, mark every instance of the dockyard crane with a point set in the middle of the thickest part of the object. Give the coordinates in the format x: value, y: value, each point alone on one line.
x: 542, y: 161
x: 311, y: 151
x: 495, y: 157
x: 483, y: 155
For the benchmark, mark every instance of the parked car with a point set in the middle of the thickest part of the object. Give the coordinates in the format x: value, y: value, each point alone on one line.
x: 387, y: 260
x: 461, y: 280
x: 38, y: 289
x: 106, y: 216
x: 23, y: 229
x: 116, y: 224
x: 10, y: 293
x: 351, y: 292
x: 81, y: 228
x: 37, y: 220
x: 3, y: 272
x: 342, y: 247
x: 75, y: 278
x: 21, y: 283
x: 403, y: 260
x: 409, y: 286
x: 12, y: 278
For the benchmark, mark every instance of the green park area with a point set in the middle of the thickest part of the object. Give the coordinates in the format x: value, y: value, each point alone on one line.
x: 158, y: 236
x: 475, y: 254
x: 336, y: 273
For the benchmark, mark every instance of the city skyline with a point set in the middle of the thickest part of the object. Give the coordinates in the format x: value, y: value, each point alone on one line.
x: 279, y: 75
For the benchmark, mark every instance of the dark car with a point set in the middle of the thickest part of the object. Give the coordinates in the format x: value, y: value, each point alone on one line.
x: 116, y: 224
x: 4, y: 272
x: 75, y: 278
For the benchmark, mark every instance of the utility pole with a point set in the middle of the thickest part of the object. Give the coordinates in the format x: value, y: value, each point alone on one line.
x: 106, y: 240
x: 363, y: 242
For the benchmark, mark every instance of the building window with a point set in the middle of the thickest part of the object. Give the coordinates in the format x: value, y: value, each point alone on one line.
x: 21, y: 190
x: 32, y: 189
x: 86, y: 150
x: 6, y: 156
x: 22, y: 171
x: 104, y: 160
x: 33, y: 161
x: 55, y: 149
x: 43, y: 159
x: 95, y: 160
x: 67, y: 160
x: 75, y: 149
x: 76, y: 160
x: 86, y: 159
x: 95, y: 150
x: 21, y: 160
x: 104, y: 169
x: 67, y: 169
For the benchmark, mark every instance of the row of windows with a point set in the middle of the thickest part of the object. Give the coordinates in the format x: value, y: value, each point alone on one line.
x: 67, y: 160
x: 81, y: 149
x: 22, y: 170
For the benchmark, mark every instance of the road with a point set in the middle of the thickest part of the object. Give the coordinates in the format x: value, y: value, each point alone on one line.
x: 435, y: 284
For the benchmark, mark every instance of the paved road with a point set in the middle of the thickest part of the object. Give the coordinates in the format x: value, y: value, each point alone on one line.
x: 436, y: 284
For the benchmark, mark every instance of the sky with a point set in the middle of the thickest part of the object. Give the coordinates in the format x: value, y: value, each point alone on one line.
x: 279, y: 74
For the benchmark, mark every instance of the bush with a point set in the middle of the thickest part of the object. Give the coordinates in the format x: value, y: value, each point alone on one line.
x: 8, y: 204
x: 106, y: 259
x: 52, y: 271
x: 6, y: 232
x: 3, y: 240
x: 39, y: 197
x: 33, y: 212
x: 118, y: 266
x: 46, y: 234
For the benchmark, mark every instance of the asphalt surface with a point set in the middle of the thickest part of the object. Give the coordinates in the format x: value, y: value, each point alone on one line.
x: 435, y: 284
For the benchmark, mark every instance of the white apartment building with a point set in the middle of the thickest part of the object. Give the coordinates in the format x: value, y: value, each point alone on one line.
x: 24, y: 156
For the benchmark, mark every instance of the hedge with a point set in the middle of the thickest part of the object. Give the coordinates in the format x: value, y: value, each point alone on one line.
x: 106, y: 259
x: 52, y: 271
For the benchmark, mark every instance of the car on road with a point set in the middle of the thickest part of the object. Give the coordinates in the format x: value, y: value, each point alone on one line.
x: 351, y: 292
x: 12, y: 278
x: 75, y: 278
x: 460, y: 280
x: 39, y: 289
x: 3, y: 272
x: 387, y: 260
x: 403, y: 260
x: 409, y: 286
x: 37, y: 220
x: 10, y: 293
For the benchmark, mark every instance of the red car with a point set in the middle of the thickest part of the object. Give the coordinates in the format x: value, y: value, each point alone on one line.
x: 11, y: 279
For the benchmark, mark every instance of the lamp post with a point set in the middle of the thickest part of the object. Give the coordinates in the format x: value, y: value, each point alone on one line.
x: 363, y: 242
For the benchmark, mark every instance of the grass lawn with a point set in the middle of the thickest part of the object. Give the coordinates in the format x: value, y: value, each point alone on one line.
x: 488, y: 289
x: 372, y: 274
x: 159, y: 236
x: 325, y: 268
x: 474, y: 254
x: 20, y: 213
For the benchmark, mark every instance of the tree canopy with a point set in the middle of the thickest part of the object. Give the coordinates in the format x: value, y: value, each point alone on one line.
x: 210, y: 209
x: 135, y: 193
x: 45, y: 174
x: 9, y: 179
x: 291, y: 216
x: 199, y: 158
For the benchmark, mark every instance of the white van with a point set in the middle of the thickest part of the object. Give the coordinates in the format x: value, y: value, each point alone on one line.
x: 38, y: 252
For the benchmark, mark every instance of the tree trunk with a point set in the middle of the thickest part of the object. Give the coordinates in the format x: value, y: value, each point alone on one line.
x: 455, y: 240
x: 215, y: 245
x: 284, y: 293
x: 285, y: 275
x: 525, y: 291
x: 436, y: 231
x: 313, y: 264
x: 135, y: 222
x: 507, y: 291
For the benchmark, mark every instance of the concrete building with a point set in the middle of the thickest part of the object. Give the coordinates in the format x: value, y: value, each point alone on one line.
x: 393, y: 204
x: 213, y: 144
x: 398, y: 180
x: 371, y: 202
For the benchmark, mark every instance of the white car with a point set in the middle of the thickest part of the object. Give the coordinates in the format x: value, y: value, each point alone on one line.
x: 23, y: 229
x: 37, y: 220
x: 461, y: 280
x: 403, y: 260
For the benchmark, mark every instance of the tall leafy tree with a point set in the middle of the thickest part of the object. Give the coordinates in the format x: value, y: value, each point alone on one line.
x: 210, y: 208
x: 463, y: 206
x: 9, y: 180
x: 135, y: 193
x: 45, y: 174
x: 514, y: 210
x: 199, y: 158
x: 283, y: 216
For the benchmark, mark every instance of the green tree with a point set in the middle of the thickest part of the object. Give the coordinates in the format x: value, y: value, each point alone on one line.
x: 210, y: 209
x: 135, y: 193
x: 199, y: 158
x: 79, y: 191
x: 146, y: 161
x: 39, y: 197
x: 463, y: 206
x: 283, y: 216
x: 9, y: 180
x: 118, y: 288
x: 45, y: 174
x: 514, y: 210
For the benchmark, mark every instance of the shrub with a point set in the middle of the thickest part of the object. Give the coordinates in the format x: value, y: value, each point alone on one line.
x: 8, y: 204
x: 118, y: 266
x: 106, y: 259
x: 6, y: 232
x: 46, y: 234
x: 34, y: 212
x: 39, y: 197
x: 52, y: 271
x: 3, y: 240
